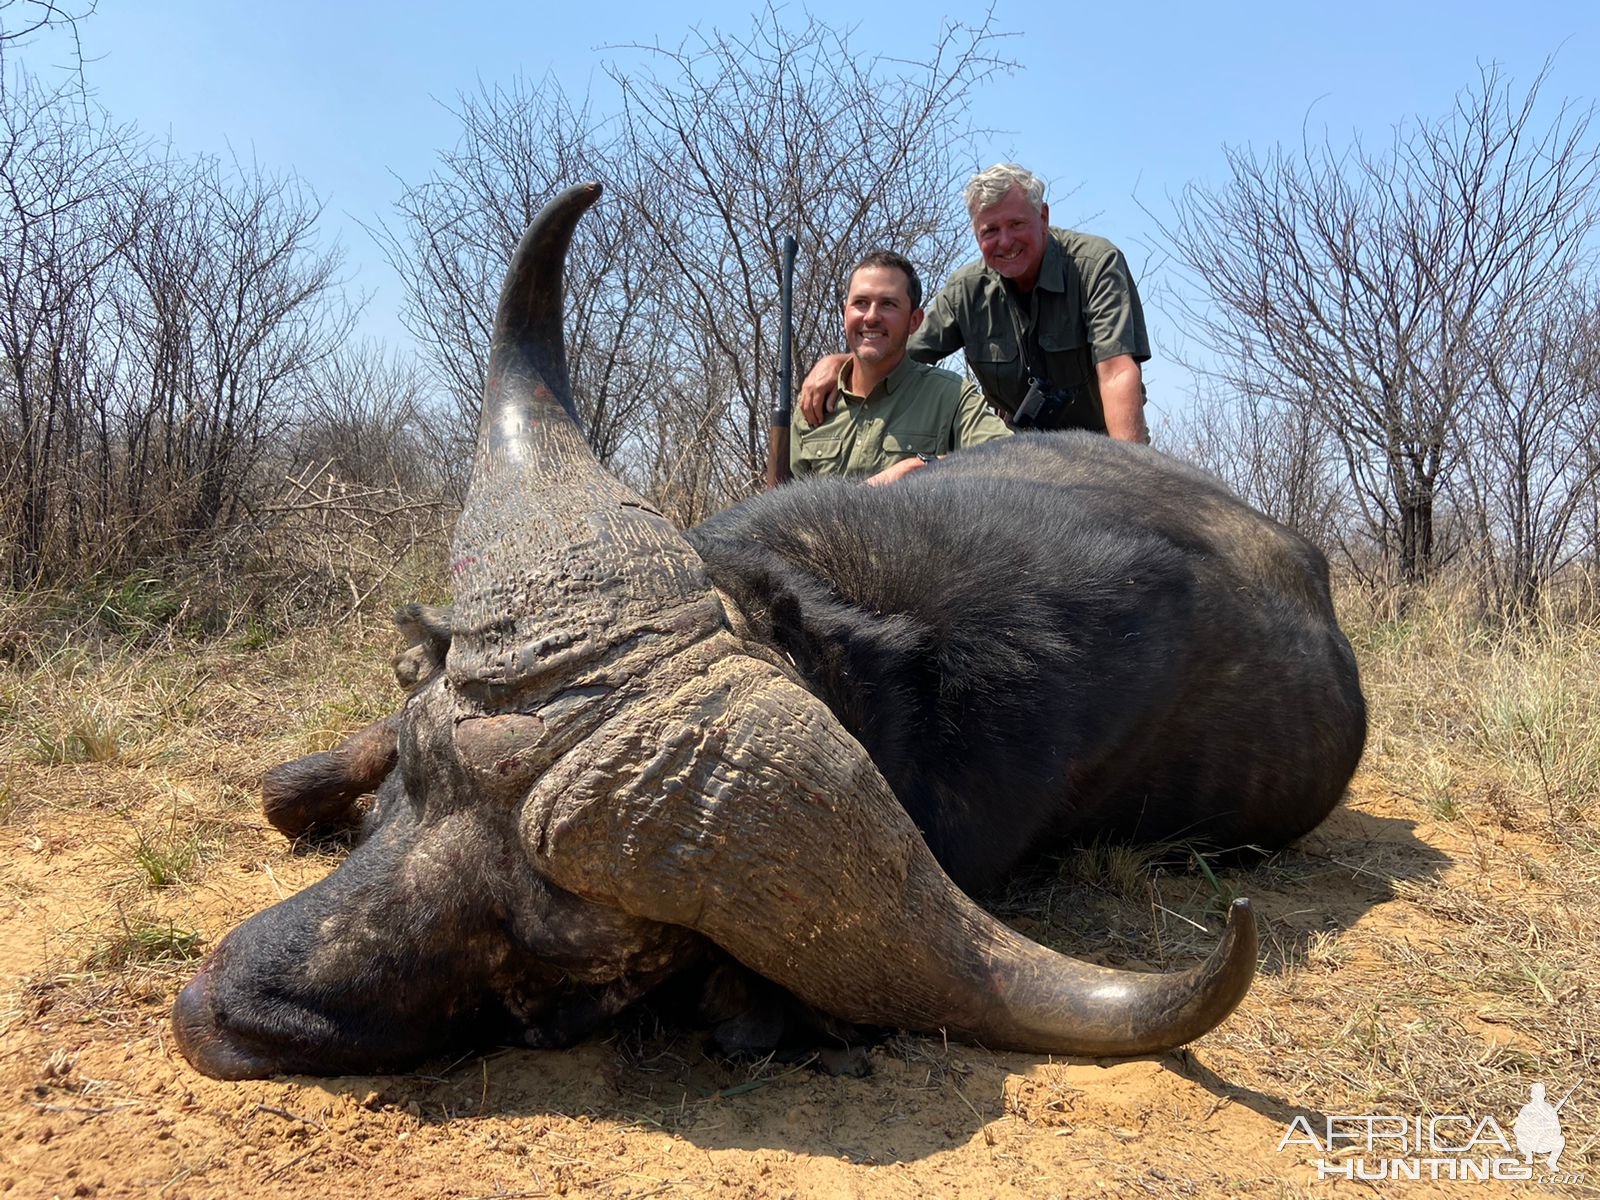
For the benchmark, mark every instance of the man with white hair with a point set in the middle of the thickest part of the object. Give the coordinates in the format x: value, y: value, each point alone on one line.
x: 1049, y: 319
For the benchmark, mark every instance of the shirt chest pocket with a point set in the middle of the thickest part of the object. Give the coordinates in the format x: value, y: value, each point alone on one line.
x: 1060, y: 341
x: 1065, y: 345
x: 822, y: 455
x: 996, y: 363
x: 904, y: 443
x: 1068, y: 364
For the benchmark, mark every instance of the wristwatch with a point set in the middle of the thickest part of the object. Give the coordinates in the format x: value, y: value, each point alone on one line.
x: 927, y: 458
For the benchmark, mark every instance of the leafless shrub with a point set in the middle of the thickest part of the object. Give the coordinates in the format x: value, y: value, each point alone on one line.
x: 325, y: 546
x: 61, y: 174
x: 227, y: 310
x: 1277, y: 458
x: 163, y: 320
x: 21, y: 20
x: 1530, y: 468
x: 520, y: 144
x: 369, y: 419
x: 1391, y: 299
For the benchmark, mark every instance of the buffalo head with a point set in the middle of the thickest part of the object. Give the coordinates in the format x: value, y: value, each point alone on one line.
x: 608, y: 775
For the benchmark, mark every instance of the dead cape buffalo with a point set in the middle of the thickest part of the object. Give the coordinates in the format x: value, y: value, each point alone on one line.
x: 630, y: 750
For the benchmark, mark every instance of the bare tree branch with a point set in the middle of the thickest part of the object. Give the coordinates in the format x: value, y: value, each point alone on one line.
x: 721, y: 146
x: 1380, y: 293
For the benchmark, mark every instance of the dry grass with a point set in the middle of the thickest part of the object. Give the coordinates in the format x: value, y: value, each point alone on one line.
x: 155, y: 705
x: 1428, y: 951
x: 1499, y: 722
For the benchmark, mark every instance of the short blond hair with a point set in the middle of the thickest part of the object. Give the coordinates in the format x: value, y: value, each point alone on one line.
x: 988, y: 187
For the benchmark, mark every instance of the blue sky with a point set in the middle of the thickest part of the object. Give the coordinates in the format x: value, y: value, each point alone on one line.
x: 1125, y: 103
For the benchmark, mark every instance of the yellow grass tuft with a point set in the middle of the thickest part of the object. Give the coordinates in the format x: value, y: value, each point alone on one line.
x: 1499, y: 719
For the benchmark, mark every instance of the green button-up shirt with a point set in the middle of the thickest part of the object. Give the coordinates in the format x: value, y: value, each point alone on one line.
x: 1083, y: 310
x: 916, y: 409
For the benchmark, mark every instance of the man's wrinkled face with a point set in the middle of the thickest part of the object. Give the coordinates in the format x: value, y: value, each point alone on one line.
x: 878, y: 317
x: 1011, y: 237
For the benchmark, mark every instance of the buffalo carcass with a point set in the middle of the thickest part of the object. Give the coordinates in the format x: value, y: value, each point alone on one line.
x: 625, y: 749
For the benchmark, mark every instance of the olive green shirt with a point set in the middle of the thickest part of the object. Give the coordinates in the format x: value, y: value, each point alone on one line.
x: 917, y: 409
x: 1083, y: 310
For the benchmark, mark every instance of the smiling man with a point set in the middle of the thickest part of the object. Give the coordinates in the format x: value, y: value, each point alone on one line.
x: 1049, y: 319
x: 895, y: 415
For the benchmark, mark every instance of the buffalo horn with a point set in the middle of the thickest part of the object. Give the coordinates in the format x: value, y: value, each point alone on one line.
x: 709, y: 790
x: 758, y: 821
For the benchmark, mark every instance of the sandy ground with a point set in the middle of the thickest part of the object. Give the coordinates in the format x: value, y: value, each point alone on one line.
x: 1410, y: 966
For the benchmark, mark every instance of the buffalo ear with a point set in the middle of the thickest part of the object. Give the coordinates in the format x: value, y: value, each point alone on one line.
x: 323, y: 790
x: 427, y: 632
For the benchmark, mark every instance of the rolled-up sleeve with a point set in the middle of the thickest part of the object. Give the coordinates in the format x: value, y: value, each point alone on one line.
x: 1112, y: 311
x: 975, y: 421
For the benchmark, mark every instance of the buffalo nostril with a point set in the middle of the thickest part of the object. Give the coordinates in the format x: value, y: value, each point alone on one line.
x: 190, y: 1014
x: 209, y: 1047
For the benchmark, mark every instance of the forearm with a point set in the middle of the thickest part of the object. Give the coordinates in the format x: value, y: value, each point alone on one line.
x: 895, y: 472
x: 1122, y: 399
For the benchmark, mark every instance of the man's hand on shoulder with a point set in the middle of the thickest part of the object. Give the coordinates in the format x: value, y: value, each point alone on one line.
x: 819, y: 390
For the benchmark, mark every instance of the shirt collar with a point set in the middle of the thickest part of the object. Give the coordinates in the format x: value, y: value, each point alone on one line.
x: 889, y: 383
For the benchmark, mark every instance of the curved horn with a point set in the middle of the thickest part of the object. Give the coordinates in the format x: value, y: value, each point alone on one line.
x: 554, y: 561
x: 758, y: 821
x: 712, y: 792
x: 528, y: 358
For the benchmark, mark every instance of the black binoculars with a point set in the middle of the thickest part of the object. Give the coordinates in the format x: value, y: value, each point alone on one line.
x: 1042, y: 408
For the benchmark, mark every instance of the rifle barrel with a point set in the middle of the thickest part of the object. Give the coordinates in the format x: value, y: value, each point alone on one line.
x: 782, y: 405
